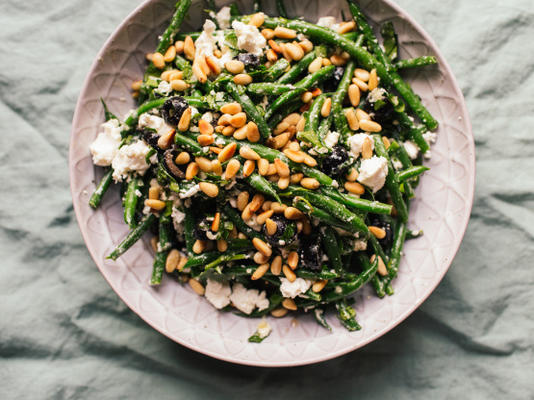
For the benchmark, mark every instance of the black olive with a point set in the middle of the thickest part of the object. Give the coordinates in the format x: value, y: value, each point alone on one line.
x: 150, y: 136
x: 249, y: 59
x: 310, y: 252
x: 332, y: 83
x: 388, y: 239
x: 382, y: 110
x: 201, y: 229
x: 335, y: 164
x: 286, y: 231
x: 171, y: 166
x: 173, y: 109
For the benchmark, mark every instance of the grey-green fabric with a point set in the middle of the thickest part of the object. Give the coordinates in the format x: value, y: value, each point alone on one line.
x: 64, y: 334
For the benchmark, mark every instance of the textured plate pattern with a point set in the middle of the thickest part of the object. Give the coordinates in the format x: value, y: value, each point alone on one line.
x: 442, y: 207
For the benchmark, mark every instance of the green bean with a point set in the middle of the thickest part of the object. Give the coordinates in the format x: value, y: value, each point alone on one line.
x: 410, y: 234
x: 132, y: 237
x: 101, y: 188
x: 130, y: 201
x: 324, y: 127
x: 268, y: 88
x: 249, y: 108
x: 281, y: 8
x: 318, y: 314
x: 396, y: 249
x: 325, y: 273
x: 189, y: 229
x: 224, y: 258
x: 188, y: 144
x: 389, y: 41
x: 337, y: 101
x: 320, y: 214
x: 416, y: 62
x: 346, y: 316
x: 312, y: 122
x: 143, y: 108
x: 164, y: 245
x: 416, y: 134
x: 275, y: 70
x: 298, y: 68
x: 234, y: 11
x: 392, y: 183
x: 158, y: 267
x: 107, y: 114
x: 331, y: 247
x: 311, y: 137
x: 300, y: 87
x: 260, y: 184
x: 372, y: 206
x: 411, y: 172
x: 201, y: 259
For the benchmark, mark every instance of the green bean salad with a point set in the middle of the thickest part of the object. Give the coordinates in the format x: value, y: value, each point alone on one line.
x: 273, y: 159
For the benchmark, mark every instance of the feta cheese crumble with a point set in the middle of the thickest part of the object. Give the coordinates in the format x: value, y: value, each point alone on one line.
x: 147, y: 120
x: 411, y: 148
x: 190, y: 192
x: 247, y: 300
x: 293, y: 289
x: 356, y: 143
x: 373, y: 172
x: 249, y: 38
x: 264, y: 329
x: 206, y: 44
x: 131, y: 157
x: 218, y: 294
x: 328, y: 22
x: 223, y: 18
x: 106, y: 144
x: 376, y: 94
x: 331, y: 138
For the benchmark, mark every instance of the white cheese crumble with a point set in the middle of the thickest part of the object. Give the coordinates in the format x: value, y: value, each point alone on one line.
x: 106, y: 144
x: 376, y: 95
x: 331, y: 138
x: 264, y: 329
x: 373, y: 172
x: 360, y: 245
x: 218, y: 293
x: 249, y: 38
x: 328, y: 22
x: 130, y: 158
x: 207, y: 116
x: 206, y: 44
x: 247, y: 300
x: 147, y: 120
x: 430, y: 137
x: 164, y: 88
x: 356, y: 143
x: 190, y: 192
x: 293, y: 289
x: 411, y: 148
x: 223, y: 18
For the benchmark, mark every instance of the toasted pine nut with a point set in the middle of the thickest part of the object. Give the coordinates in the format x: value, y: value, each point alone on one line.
x: 319, y: 285
x: 326, y: 62
x: 170, y: 54
x: 256, y: 202
x: 276, y: 265
x: 310, y: 183
x: 361, y: 74
x: 164, y: 141
x: 294, y: 146
x: 179, y: 45
x: 261, y: 218
x: 217, y: 53
x: 227, y: 152
x: 189, y: 48
x: 231, y: 108
x: 238, y: 120
x: 174, y: 75
x: 370, y: 126
x: 209, y: 189
x: 354, y: 188
x: 216, y: 167
x: 361, y: 84
x: 271, y: 55
x: 228, y: 130
x: 293, y: 259
x: 242, y: 79
x: 242, y: 200
x: 284, y: 33
x: 373, y: 80
x: 386, y: 142
x: 296, y: 178
x: 199, y: 246
x: 234, y: 66
x: 182, y: 262
x: 173, y: 258
x: 294, y: 51
x: 292, y: 118
x: 247, y: 153
x: 289, y: 304
x: 306, y: 97
x: 280, y: 141
x: 198, y: 71
x: 253, y: 133
x: 260, y: 258
x: 137, y: 85
x: 196, y: 285
x: 257, y: 19
x: 205, y: 140
x: 204, y: 127
x: 216, y: 222
x: 241, y: 133
x: 295, y: 156
x: 279, y: 312
x: 337, y: 60
x: 275, y: 46
x: 325, y: 109
x: 352, y: 175
x: 153, y: 192
x: 213, y: 66
x: 315, y: 65
x: 278, y: 208
x: 262, y: 247
x: 263, y: 166
x: 158, y: 61
x: 382, y: 270
x: 378, y: 232
x: 281, y: 168
x: 281, y: 127
x: 293, y: 213
x: 179, y: 85
x: 149, y: 56
x: 260, y: 271
x: 306, y: 45
x: 191, y: 171
x: 270, y: 226
x: 345, y: 27
x: 367, y: 149
x: 301, y: 124
x: 361, y: 115
x: 309, y: 160
x: 283, y: 183
x: 248, y: 168
x: 222, y: 245
x: 354, y: 95
x: 232, y: 168
x: 350, y: 115
x: 272, y: 170
x: 185, y: 119
x: 288, y: 272
x: 267, y: 33
x: 155, y: 204
x: 266, y: 206
x: 224, y: 119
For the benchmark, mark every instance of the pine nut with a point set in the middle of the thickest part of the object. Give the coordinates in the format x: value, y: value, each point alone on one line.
x: 267, y: 33
x: 222, y: 245
x: 345, y: 27
x: 378, y: 232
x: 275, y: 46
x: 289, y: 274
x: 158, y: 61
x: 232, y: 168
x: 373, y: 80
x: 179, y: 85
x: 228, y: 130
x: 281, y: 167
x: 301, y: 124
x: 310, y: 183
x: 337, y: 60
x: 294, y: 146
x: 227, y: 152
x: 261, y: 218
x: 256, y: 202
x: 352, y: 120
x: 263, y: 166
x: 319, y: 285
x: 204, y: 164
x: 270, y: 226
x: 216, y: 167
x: 257, y: 19
x: 284, y: 33
x: 386, y: 142
x: 260, y: 271
x: 262, y: 247
x: 179, y: 45
x: 293, y: 260
x: 352, y: 175
x: 182, y: 262
x: 292, y: 118
x: 382, y: 270
x: 361, y: 115
x: 224, y: 119
x: 215, y: 150
x: 279, y: 141
x: 205, y: 140
x: 367, y: 149
x: 276, y: 265
x: 196, y: 285
x: 370, y: 126
x: 213, y: 66
x: 199, y: 72
x: 204, y: 127
x: 209, y: 189
x: 248, y: 168
x: 148, y: 56
x: 170, y: 54
x: 199, y: 246
x: 272, y: 169
x: 238, y: 120
x: 309, y: 160
x: 242, y: 79
x: 241, y: 236
x: 189, y: 48
x: 296, y: 178
x: 246, y: 215
x: 326, y: 62
x: 354, y: 95
x: 325, y: 109
x: 154, y: 204
x: 165, y: 141
x: 234, y: 66
x: 354, y: 188
x: 306, y: 45
x: 289, y: 304
x: 260, y: 258
x: 281, y: 127
x: 231, y: 108
x: 283, y: 183
x: 361, y: 84
x: 248, y: 154
x: 271, y: 55
x: 279, y: 312
x: 241, y: 133
x: 185, y: 120
x: 242, y: 200
x: 306, y: 97
x: 173, y: 258
x: 266, y: 205
x: 175, y: 75
x: 153, y: 192
x: 295, y: 51
x: 216, y: 222
x: 217, y: 53
x: 137, y: 85
x: 361, y: 74
x: 295, y: 156
x: 154, y: 243
x: 191, y: 171
x: 292, y: 213
x: 278, y: 208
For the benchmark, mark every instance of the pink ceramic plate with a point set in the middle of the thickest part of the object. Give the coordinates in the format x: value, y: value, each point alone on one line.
x: 442, y: 208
